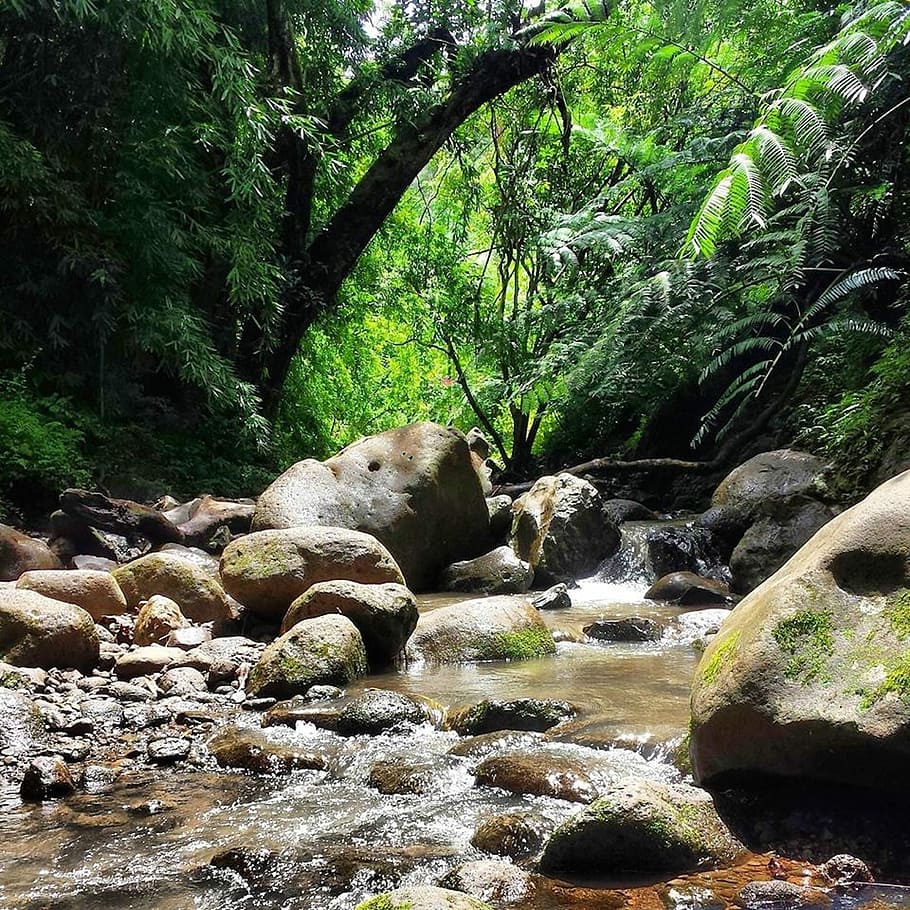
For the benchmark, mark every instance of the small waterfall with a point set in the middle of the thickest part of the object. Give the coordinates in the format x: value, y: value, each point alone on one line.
x: 630, y: 563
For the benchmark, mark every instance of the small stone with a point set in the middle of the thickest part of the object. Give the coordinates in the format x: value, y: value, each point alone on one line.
x: 770, y: 894
x: 555, y: 598
x: 168, y: 750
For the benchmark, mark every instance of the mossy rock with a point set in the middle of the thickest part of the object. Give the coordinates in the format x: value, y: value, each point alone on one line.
x: 809, y: 676
x: 642, y: 827
x: 493, y: 628
x: 327, y: 650
x: 423, y: 898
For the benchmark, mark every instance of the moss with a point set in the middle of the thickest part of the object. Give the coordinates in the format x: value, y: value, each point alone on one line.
x: 808, y: 637
x: 723, y: 653
x: 383, y: 902
x: 898, y: 613
x: 896, y: 682
x: 524, y: 644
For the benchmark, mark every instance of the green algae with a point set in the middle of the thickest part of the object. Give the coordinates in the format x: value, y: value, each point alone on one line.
x: 808, y: 638
x: 721, y: 656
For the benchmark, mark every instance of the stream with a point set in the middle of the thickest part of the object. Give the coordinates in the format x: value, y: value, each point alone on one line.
x: 325, y: 840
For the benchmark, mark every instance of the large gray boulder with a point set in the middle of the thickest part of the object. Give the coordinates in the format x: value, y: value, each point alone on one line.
x: 268, y: 570
x: 770, y: 475
x: 492, y: 628
x: 386, y: 615
x: 20, y: 553
x: 327, y: 650
x: 414, y: 488
x: 498, y: 572
x: 562, y: 529
x: 642, y: 827
x: 809, y: 676
x: 36, y: 631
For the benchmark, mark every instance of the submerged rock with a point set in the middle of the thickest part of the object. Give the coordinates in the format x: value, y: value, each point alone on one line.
x: 414, y: 488
x: 642, y: 826
x: 324, y: 650
x: 268, y: 570
x: 498, y: 572
x: 488, y: 716
x: 494, y: 628
x: 808, y: 676
x: 385, y: 614
x: 562, y: 529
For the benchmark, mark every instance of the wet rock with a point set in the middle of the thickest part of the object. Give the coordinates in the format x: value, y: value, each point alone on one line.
x: 726, y: 527
x: 36, y: 631
x: 121, y: 516
x: 20, y: 553
x: 209, y: 516
x: 561, y: 528
x: 324, y: 650
x: 181, y: 681
x: 300, y: 710
x: 158, y: 617
x: 487, y: 744
x: 385, y: 614
x: 261, y: 751
x: 396, y: 777
x: 674, y: 550
x: 46, y: 777
x: 642, y: 827
x: 516, y: 835
x: 497, y: 572
x: 555, y: 598
x: 97, y: 778
x: 552, y: 774
x: 421, y: 897
x: 622, y: 510
x: 21, y: 677
x: 21, y: 724
x: 770, y: 475
x: 268, y: 570
x: 414, y: 488
x: 781, y: 527
x: 146, y: 660
x: 500, y: 511
x: 689, y: 589
x: 488, y: 716
x: 323, y: 693
x: 103, y: 712
x: 845, y: 869
x: 377, y: 710
x: 168, y: 749
x: 96, y: 592
x: 771, y: 894
x: 494, y: 628
x: 632, y: 628
x: 490, y: 880
x: 199, y: 596
x: 810, y: 669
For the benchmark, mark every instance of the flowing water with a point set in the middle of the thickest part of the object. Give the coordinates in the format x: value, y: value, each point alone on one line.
x: 324, y: 840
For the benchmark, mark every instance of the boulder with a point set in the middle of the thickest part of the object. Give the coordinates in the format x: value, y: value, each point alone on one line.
x: 516, y: 835
x: 414, y: 488
x: 204, y: 520
x: 183, y: 681
x: 158, y: 617
x: 770, y: 475
x: 491, y: 880
x: 541, y: 772
x: 488, y: 716
x: 377, y: 710
x: 397, y: 776
x: 642, y: 827
x: 146, y: 661
x: 555, y: 598
x: 20, y: 553
x: 561, y: 528
x: 267, y: 570
x: 632, y: 628
x: 36, y: 631
x: 622, y: 510
x: 689, y: 589
x: 21, y: 724
x: 673, y: 549
x: 199, y: 596
x: 781, y: 527
x: 262, y: 751
x: 324, y: 650
x: 71, y: 534
x: 498, y: 572
x: 500, y: 511
x: 385, y: 614
x: 96, y: 592
x: 493, y: 628
x: 422, y: 897
x: 122, y: 516
x: 809, y: 675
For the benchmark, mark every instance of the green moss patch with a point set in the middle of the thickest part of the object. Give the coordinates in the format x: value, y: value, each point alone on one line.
x: 722, y: 655
x: 524, y: 644
x: 896, y: 682
x: 808, y: 638
x: 383, y: 902
x: 898, y: 613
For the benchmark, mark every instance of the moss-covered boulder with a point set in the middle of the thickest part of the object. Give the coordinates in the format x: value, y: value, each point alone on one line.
x: 36, y: 631
x: 422, y: 897
x: 809, y: 676
x: 200, y: 596
x: 96, y: 592
x: 327, y: 650
x: 493, y: 628
x: 642, y: 827
x: 414, y: 488
x: 562, y: 529
x: 268, y: 570
x: 385, y: 614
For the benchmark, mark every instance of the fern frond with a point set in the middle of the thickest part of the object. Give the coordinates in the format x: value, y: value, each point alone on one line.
x: 566, y: 23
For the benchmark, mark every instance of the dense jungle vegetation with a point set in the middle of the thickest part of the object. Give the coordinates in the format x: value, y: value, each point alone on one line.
x: 234, y: 233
